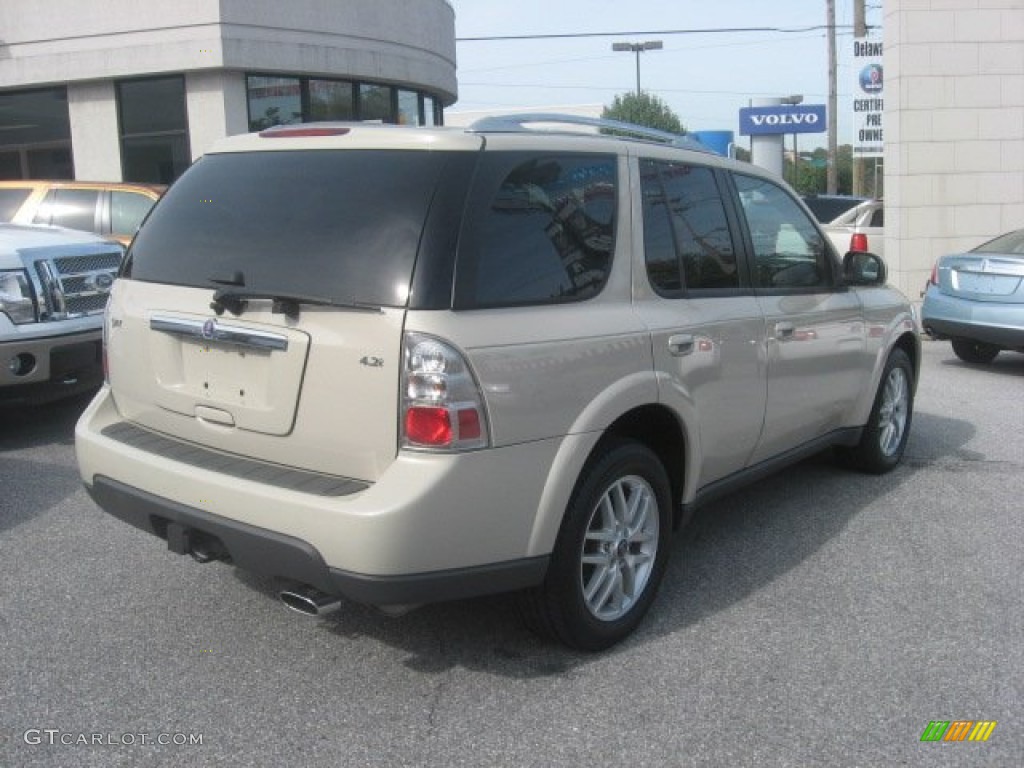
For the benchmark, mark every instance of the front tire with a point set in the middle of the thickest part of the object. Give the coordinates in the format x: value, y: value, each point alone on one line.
x: 611, y: 551
x: 971, y: 351
x: 884, y: 438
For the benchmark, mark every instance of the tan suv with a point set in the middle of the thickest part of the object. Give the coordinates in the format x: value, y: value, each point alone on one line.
x: 112, y: 210
x: 404, y: 365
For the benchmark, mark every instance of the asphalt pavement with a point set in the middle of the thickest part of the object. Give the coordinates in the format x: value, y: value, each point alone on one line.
x: 819, y: 618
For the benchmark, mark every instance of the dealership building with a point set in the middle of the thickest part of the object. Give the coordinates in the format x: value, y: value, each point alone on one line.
x: 135, y: 90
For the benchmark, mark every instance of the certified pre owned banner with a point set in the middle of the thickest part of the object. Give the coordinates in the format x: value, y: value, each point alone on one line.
x: 867, y: 97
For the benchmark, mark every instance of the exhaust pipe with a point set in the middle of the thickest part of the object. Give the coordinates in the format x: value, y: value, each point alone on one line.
x: 310, y: 601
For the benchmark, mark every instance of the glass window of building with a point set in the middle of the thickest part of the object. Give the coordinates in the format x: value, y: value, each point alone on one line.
x: 409, y: 108
x: 430, y: 116
x: 35, y: 134
x: 154, y: 129
x: 274, y: 101
x: 375, y: 103
x: 331, y: 100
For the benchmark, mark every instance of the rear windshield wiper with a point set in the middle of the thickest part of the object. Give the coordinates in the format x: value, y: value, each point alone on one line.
x: 234, y: 300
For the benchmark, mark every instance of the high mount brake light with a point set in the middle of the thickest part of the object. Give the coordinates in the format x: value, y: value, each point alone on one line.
x: 278, y: 132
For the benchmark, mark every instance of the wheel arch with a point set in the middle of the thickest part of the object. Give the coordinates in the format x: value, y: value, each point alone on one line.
x: 651, y: 424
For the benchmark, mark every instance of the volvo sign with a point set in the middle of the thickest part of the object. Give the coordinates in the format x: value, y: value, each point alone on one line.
x: 795, y: 118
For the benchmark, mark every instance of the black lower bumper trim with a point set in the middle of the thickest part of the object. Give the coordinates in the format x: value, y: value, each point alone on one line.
x: 274, y: 554
x: 1000, y: 336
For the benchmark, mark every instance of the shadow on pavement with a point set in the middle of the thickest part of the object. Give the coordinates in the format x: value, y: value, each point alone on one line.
x: 732, y: 549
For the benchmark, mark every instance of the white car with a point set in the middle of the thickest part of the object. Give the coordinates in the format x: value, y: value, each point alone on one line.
x: 860, y: 226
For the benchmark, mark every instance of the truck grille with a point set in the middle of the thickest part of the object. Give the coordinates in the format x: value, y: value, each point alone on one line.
x: 73, y: 286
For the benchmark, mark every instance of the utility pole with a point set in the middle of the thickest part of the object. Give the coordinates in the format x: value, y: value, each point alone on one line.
x: 832, y: 174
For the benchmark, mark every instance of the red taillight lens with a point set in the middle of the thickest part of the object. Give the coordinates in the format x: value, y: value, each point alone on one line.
x: 428, y: 426
x: 859, y: 242
x: 442, y: 404
x: 934, y: 279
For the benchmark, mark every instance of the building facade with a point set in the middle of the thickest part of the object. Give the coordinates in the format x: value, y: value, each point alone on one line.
x: 135, y: 90
x: 954, y: 129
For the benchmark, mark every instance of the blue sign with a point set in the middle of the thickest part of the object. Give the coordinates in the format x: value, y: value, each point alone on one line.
x: 787, y: 118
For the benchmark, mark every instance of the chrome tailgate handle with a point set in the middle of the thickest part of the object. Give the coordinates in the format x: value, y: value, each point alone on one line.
x: 211, y: 330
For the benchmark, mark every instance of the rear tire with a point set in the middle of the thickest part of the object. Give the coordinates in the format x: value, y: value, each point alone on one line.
x: 884, y: 438
x: 971, y: 351
x: 610, y: 554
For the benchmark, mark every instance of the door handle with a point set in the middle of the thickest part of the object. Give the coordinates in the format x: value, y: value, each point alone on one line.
x: 784, y: 331
x: 681, y: 344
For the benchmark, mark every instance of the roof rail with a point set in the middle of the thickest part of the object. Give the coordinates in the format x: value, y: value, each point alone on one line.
x: 519, y: 123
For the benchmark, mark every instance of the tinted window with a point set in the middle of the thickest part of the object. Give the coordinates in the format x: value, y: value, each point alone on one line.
x: 127, y: 210
x: 273, y: 101
x: 687, y: 245
x: 71, y: 208
x: 789, y: 252
x: 541, y: 230
x: 339, y: 225
x: 10, y: 201
x: 826, y: 209
x: 154, y: 140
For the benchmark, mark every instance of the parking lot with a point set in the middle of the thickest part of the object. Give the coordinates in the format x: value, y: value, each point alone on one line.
x: 818, y: 618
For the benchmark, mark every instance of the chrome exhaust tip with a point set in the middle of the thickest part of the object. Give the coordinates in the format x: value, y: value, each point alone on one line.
x: 310, y: 601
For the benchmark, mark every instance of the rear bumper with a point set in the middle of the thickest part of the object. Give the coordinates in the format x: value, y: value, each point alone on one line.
x: 432, y: 527
x: 56, y: 367
x: 989, y: 322
x: 273, y: 554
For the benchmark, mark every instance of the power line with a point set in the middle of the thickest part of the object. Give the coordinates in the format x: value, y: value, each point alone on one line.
x: 706, y: 31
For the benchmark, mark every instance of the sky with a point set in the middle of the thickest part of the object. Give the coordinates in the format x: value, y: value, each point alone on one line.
x: 704, y: 78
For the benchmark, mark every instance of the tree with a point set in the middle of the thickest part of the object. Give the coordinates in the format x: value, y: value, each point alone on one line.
x: 644, y: 109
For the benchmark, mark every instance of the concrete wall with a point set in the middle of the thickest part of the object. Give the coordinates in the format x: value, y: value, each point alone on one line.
x: 954, y: 129
x: 401, y: 41
x: 96, y: 149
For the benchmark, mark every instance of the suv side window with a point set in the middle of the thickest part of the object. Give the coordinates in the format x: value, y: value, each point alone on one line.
x: 127, y: 210
x: 10, y: 201
x: 789, y: 252
x: 540, y: 230
x: 687, y: 244
x: 71, y: 208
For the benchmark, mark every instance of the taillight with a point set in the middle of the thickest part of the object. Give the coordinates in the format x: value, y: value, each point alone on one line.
x: 442, y: 406
x: 859, y: 242
x: 934, y: 279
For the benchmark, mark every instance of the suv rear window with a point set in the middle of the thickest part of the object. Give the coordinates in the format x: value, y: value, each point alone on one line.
x: 341, y: 225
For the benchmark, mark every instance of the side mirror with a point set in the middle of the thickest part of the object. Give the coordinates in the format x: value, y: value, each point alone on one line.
x: 865, y: 269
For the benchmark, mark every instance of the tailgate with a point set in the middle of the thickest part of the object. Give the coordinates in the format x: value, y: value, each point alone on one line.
x: 318, y: 393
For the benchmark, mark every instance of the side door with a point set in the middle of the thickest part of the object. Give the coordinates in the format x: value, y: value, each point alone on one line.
x: 706, y: 325
x: 815, y: 338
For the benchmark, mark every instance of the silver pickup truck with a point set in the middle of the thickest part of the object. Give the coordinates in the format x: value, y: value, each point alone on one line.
x: 851, y: 223
x: 54, y: 285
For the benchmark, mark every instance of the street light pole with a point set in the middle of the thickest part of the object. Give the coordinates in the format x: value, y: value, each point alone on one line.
x: 638, y: 48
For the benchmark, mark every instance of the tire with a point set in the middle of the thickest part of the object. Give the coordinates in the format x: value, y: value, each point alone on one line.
x: 971, y: 351
x: 884, y: 438
x: 610, y: 554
